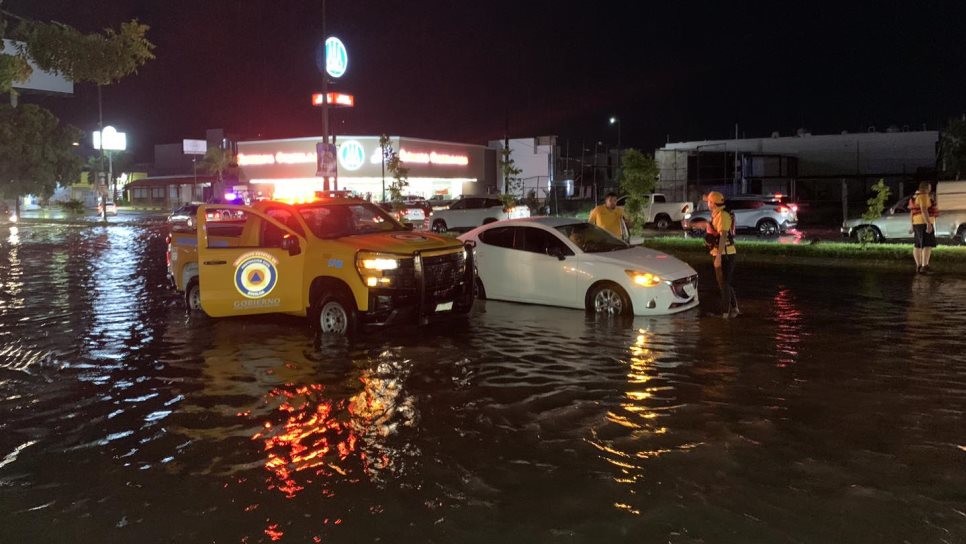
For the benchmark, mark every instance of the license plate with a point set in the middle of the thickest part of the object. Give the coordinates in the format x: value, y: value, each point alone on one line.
x: 444, y: 306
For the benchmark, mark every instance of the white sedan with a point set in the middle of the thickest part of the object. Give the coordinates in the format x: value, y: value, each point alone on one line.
x: 570, y: 263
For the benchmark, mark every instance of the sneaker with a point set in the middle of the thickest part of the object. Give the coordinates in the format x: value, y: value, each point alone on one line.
x: 919, y: 270
x: 735, y: 312
x: 926, y: 270
x: 726, y: 316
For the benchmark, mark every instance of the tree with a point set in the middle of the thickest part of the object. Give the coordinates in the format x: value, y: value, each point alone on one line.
x: 509, y: 170
x: 400, y: 179
x: 874, y: 211
x: 638, y: 176
x: 217, y: 161
x: 952, y: 149
x: 36, y: 152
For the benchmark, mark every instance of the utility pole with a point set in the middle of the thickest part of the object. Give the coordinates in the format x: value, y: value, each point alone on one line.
x: 325, y: 91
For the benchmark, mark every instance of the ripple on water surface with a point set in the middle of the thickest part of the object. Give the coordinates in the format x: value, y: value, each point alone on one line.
x: 833, y: 411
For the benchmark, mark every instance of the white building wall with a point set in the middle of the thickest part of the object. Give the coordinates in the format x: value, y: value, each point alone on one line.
x: 533, y: 156
x: 870, y: 154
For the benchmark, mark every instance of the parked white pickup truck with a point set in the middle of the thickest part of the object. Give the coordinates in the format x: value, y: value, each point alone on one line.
x: 896, y: 224
x: 471, y: 212
x: 660, y: 212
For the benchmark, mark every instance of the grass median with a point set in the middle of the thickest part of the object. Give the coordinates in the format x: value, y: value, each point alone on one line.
x: 951, y: 258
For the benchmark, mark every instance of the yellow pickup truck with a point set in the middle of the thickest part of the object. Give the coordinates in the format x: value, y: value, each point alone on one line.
x: 344, y: 263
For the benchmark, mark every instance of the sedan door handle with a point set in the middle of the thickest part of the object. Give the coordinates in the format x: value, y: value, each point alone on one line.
x: 215, y: 262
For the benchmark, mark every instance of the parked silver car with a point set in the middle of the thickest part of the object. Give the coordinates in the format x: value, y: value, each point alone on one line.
x: 766, y: 215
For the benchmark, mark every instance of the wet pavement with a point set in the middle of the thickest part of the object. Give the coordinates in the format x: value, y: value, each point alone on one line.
x: 833, y: 411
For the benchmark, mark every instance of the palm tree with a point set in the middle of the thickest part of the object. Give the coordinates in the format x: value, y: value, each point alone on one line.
x: 217, y: 161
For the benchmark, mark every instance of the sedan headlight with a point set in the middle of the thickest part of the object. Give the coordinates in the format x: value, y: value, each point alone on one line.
x: 643, y: 279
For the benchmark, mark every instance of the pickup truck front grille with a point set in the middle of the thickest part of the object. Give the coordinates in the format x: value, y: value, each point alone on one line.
x: 441, y: 275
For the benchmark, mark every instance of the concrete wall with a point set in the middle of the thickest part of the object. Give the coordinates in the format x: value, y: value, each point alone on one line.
x: 862, y: 154
x: 533, y: 156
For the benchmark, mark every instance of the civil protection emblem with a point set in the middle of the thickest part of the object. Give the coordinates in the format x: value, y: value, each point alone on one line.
x: 255, y: 274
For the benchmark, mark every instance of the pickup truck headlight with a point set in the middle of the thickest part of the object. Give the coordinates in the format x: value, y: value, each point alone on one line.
x: 373, y: 268
x: 644, y: 279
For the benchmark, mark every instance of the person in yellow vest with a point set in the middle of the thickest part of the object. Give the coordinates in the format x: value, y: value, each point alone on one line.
x: 608, y: 216
x: 720, y: 239
x: 924, y: 213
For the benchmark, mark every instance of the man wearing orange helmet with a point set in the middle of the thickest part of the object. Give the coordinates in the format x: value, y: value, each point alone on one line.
x: 721, y: 241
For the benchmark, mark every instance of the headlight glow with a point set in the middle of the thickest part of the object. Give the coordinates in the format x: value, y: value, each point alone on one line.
x: 644, y: 279
x: 380, y: 264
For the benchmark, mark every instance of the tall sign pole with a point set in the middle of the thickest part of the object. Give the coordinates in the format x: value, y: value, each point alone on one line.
x: 325, y: 88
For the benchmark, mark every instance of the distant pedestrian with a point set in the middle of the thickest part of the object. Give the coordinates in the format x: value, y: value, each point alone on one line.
x: 609, y: 217
x: 720, y: 239
x: 924, y: 213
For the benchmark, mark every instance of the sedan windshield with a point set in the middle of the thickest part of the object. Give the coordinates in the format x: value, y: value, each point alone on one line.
x: 337, y: 220
x: 591, y: 238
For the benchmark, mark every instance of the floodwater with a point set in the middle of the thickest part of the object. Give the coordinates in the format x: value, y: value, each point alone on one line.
x: 833, y: 411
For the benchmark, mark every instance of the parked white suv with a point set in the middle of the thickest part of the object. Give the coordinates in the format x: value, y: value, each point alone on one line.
x: 767, y: 215
x: 472, y: 211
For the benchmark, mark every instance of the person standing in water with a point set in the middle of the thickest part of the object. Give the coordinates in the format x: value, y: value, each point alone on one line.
x: 923, y: 213
x: 721, y: 241
x: 609, y: 217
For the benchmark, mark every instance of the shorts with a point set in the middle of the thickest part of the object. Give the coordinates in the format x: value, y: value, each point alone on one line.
x: 923, y: 238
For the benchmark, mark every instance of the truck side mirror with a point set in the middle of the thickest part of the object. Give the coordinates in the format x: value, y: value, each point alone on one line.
x: 291, y: 244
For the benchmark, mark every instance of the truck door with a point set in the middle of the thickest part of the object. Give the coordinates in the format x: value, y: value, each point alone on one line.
x: 248, y: 263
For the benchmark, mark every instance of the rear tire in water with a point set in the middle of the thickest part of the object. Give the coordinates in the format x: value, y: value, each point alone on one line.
x: 767, y: 227
x: 336, y: 314
x: 192, y: 296
x: 609, y: 299
x: 439, y: 226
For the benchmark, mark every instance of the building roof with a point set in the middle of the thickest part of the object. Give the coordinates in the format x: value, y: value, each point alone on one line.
x: 164, y: 181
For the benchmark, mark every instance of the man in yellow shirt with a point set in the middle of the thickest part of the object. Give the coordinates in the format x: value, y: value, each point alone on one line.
x: 923, y: 213
x: 608, y: 216
x: 721, y: 231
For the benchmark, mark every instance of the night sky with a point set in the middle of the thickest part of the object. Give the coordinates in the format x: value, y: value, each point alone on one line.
x: 456, y: 70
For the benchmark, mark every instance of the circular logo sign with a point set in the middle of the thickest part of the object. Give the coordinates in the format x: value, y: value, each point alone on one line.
x: 255, y: 277
x: 336, y: 57
x: 351, y: 155
x: 410, y: 237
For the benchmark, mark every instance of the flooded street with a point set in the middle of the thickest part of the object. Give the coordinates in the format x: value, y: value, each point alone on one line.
x: 833, y: 411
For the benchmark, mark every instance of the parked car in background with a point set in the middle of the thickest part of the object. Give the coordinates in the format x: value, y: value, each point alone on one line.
x: 473, y: 211
x: 186, y: 216
x: 111, y: 208
x: 660, y: 212
x: 766, y: 215
x: 412, y: 212
x: 560, y: 261
x: 896, y: 223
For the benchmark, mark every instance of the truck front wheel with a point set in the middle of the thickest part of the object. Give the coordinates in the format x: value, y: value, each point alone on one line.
x: 662, y: 222
x: 336, y: 315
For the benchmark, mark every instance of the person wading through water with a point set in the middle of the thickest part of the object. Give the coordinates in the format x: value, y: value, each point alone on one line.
x: 923, y: 213
x: 720, y: 239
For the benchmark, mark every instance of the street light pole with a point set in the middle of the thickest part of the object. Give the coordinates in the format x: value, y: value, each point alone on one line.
x: 325, y: 91
x: 615, y: 120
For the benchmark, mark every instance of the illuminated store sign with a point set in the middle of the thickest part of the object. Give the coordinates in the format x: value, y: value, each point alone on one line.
x: 352, y: 156
x: 432, y: 157
x: 335, y: 99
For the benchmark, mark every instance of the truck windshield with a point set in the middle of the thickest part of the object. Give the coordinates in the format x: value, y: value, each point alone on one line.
x: 338, y: 220
x: 591, y: 239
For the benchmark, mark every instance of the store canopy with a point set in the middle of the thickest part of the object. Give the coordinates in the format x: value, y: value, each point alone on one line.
x: 164, y: 181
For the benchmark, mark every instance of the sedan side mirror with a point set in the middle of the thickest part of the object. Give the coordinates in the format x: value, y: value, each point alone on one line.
x: 291, y: 244
x: 556, y: 252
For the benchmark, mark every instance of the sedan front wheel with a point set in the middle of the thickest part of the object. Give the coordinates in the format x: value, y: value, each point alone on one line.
x: 609, y: 299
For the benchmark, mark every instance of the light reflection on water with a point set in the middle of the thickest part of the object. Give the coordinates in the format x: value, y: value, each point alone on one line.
x: 123, y: 418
